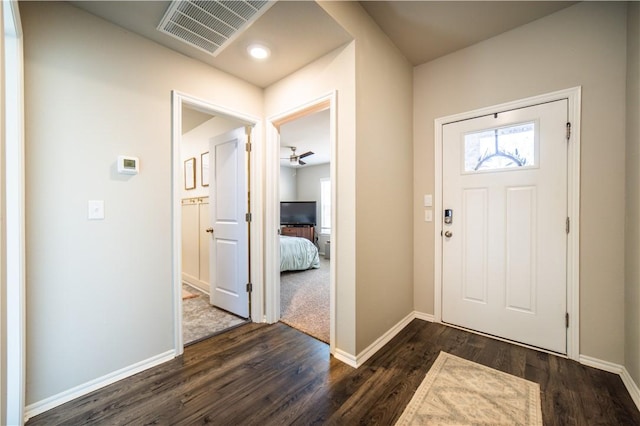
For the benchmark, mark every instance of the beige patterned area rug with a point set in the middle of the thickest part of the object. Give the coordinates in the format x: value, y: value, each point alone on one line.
x: 460, y: 392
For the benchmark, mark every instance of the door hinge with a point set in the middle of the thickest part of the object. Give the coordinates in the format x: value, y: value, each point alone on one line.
x: 248, y: 146
x: 248, y: 217
x: 566, y: 319
x: 568, y: 130
x: 568, y: 225
x: 249, y: 287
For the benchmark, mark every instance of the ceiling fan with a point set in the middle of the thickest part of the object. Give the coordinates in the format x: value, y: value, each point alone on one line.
x: 297, y: 159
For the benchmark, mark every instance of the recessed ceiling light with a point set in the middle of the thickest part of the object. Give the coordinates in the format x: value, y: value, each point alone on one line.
x: 259, y: 51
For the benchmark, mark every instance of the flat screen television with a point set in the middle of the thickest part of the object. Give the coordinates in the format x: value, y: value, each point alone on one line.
x: 298, y: 213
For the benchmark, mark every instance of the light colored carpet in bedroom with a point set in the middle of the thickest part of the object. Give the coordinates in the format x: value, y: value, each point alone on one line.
x: 304, y: 300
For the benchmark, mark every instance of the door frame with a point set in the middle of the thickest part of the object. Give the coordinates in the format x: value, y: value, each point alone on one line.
x: 272, y: 206
x: 12, y: 233
x: 178, y: 99
x: 573, y: 96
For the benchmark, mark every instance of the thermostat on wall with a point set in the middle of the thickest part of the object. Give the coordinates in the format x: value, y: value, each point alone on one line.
x: 128, y: 165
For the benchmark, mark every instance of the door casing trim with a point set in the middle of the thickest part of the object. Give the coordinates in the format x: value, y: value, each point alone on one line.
x: 13, y: 307
x: 573, y: 96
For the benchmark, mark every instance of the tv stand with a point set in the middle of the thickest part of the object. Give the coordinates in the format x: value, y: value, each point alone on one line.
x: 301, y: 231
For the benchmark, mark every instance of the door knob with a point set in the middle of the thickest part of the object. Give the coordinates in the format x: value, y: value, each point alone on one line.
x: 209, y: 230
x: 448, y: 234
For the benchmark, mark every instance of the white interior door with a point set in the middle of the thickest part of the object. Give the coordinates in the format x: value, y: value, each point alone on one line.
x: 229, y: 252
x: 505, y: 248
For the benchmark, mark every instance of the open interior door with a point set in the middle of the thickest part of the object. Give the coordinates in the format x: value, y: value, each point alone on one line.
x: 229, y: 246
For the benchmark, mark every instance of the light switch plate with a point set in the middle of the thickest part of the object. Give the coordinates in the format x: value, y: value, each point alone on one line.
x: 428, y: 215
x: 96, y: 209
x: 428, y: 200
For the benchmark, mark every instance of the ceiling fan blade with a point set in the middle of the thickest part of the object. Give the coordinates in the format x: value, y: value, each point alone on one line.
x: 302, y: 163
x: 306, y: 154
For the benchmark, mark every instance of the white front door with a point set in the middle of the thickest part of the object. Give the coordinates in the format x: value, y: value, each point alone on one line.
x: 504, y: 240
x: 229, y: 254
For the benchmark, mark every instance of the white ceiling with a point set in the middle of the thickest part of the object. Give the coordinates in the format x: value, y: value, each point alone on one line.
x: 308, y: 133
x: 192, y: 118
x: 426, y: 30
x: 299, y: 32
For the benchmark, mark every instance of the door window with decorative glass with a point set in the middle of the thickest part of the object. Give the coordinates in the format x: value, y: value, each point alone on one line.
x: 501, y: 148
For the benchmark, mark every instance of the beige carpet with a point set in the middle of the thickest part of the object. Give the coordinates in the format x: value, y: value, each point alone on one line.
x: 304, y: 300
x: 460, y: 392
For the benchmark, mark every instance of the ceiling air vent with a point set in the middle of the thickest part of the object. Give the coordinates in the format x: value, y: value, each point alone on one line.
x: 210, y: 25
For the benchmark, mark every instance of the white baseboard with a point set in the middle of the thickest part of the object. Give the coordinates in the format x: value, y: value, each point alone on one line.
x: 85, y: 388
x: 195, y: 283
x: 621, y: 370
x: 423, y: 316
x: 205, y: 290
x: 600, y: 364
x: 357, y: 360
x: 345, y: 357
x: 362, y: 357
x: 631, y: 386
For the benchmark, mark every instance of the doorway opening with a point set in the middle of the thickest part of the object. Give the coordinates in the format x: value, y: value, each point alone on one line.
x: 199, y: 180
x: 300, y: 265
x: 305, y: 223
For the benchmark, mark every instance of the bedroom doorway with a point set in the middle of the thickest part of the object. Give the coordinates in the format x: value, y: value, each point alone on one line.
x: 300, y: 267
x: 195, y: 128
x: 305, y: 223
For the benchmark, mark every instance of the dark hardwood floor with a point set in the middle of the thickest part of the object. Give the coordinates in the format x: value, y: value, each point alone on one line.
x: 261, y: 374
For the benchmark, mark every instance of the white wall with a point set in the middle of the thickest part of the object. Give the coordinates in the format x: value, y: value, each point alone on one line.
x: 288, y: 184
x: 632, y: 232
x: 100, y: 292
x: 196, y: 142
x: 3, y: 238
x: 384, y: 176
x: 308, y: 181
x: 583, y: 45
x: 334, y: 71
x: 308, y: 184
x: 303, y: 184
